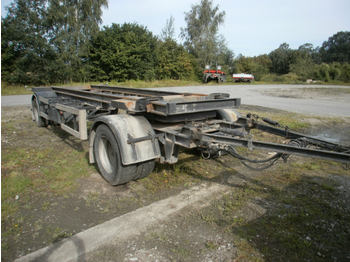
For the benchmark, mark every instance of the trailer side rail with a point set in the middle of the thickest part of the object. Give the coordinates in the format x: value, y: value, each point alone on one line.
x: 79, y: 117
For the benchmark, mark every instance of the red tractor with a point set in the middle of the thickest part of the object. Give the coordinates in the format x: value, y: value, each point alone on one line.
x: 218, y: 75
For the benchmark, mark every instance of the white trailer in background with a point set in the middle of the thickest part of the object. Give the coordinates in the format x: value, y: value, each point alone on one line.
x: 243, y: 77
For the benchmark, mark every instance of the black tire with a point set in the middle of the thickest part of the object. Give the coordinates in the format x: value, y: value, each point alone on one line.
x: 145, y: 169
x: 40, y: 121
x: 108, y: 158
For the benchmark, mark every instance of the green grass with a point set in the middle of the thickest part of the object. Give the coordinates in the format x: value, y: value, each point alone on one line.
x: 156, y: 83
x: 11, y: 90
x: 28, y: 170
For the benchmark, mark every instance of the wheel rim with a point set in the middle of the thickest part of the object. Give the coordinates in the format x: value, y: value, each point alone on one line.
x: 107, y: 155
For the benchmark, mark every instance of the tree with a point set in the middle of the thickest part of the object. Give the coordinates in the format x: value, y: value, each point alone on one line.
x: 225, y: 56
x: 201, y: 34
x: 173, y: 62
x: 337, y: 48
x: 46, y: 41
x: 123, y: 52
x: 281, y: 58
x: 308, y: 49
x: 303, y: 67
x: 73, y: 24
x: 243, y: 64
x: 258, y: 66
x: 168, y: 32
x: 27, y: 57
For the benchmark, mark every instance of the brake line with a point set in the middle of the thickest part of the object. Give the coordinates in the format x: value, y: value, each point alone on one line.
x: 242, y: 158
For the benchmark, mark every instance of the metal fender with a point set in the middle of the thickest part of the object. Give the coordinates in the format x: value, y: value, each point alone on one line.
x: 229, y: 114
x: 40, y: 92
x: 45, y: 92
x: 135, y: 136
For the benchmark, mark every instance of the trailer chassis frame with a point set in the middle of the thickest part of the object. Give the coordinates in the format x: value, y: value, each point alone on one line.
x: 170, y: 120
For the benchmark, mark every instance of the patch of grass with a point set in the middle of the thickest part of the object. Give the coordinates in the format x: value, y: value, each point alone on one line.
x: 181, y: 252
x: 92, y: 198
x: 156, y: 83
x: 159, y: 236
x: 182, y: 174
x: 8, y: 208
x: 10, y: 90
x: 32, y: 165
x: 45, y: 206
x: 306, y: 166
x: 38, y: 225
x: 42, y: 170
x: 209, y: 218
x: 58, y: 233
x: 328, y: 187
x: 14, y: 184
x: 211, y: 245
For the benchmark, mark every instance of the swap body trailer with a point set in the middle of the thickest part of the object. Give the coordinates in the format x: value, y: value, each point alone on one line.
x: 132, y: 128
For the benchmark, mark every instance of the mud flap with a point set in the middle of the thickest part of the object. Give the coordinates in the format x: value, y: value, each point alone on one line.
x: 135, y: 136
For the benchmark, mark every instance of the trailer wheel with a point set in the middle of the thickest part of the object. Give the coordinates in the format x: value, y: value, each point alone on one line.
x: 145, y: 169
x: 230, y: 115
x: 108, y: 158
x: 39, y: 120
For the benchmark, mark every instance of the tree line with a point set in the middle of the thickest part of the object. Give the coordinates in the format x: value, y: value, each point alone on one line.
x: 330, y: 62
x: 59, y: 41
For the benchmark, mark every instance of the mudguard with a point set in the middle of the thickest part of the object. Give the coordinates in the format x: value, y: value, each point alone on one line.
x: 45, y: 92
x: 230, y: 114
x: 40, y: 92
x: 127, y: 128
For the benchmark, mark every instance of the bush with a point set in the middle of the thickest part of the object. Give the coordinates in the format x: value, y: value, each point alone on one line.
x: 291, y: 77
x: 345, y: 72
x: 287, y: 78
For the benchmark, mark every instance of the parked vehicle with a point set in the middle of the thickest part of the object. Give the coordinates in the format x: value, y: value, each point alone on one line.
x: 243, y: 78
x: 131, y: 128
x: 217, y: 75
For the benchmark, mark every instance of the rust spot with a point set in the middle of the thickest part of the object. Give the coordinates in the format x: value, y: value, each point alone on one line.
x: 129, y: 104
x: 149, y: 108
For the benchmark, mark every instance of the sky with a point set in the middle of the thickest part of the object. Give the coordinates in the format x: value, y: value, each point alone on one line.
x: 251, y: 28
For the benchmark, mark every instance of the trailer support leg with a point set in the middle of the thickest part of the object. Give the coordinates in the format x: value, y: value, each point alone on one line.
x: 171, y: 149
